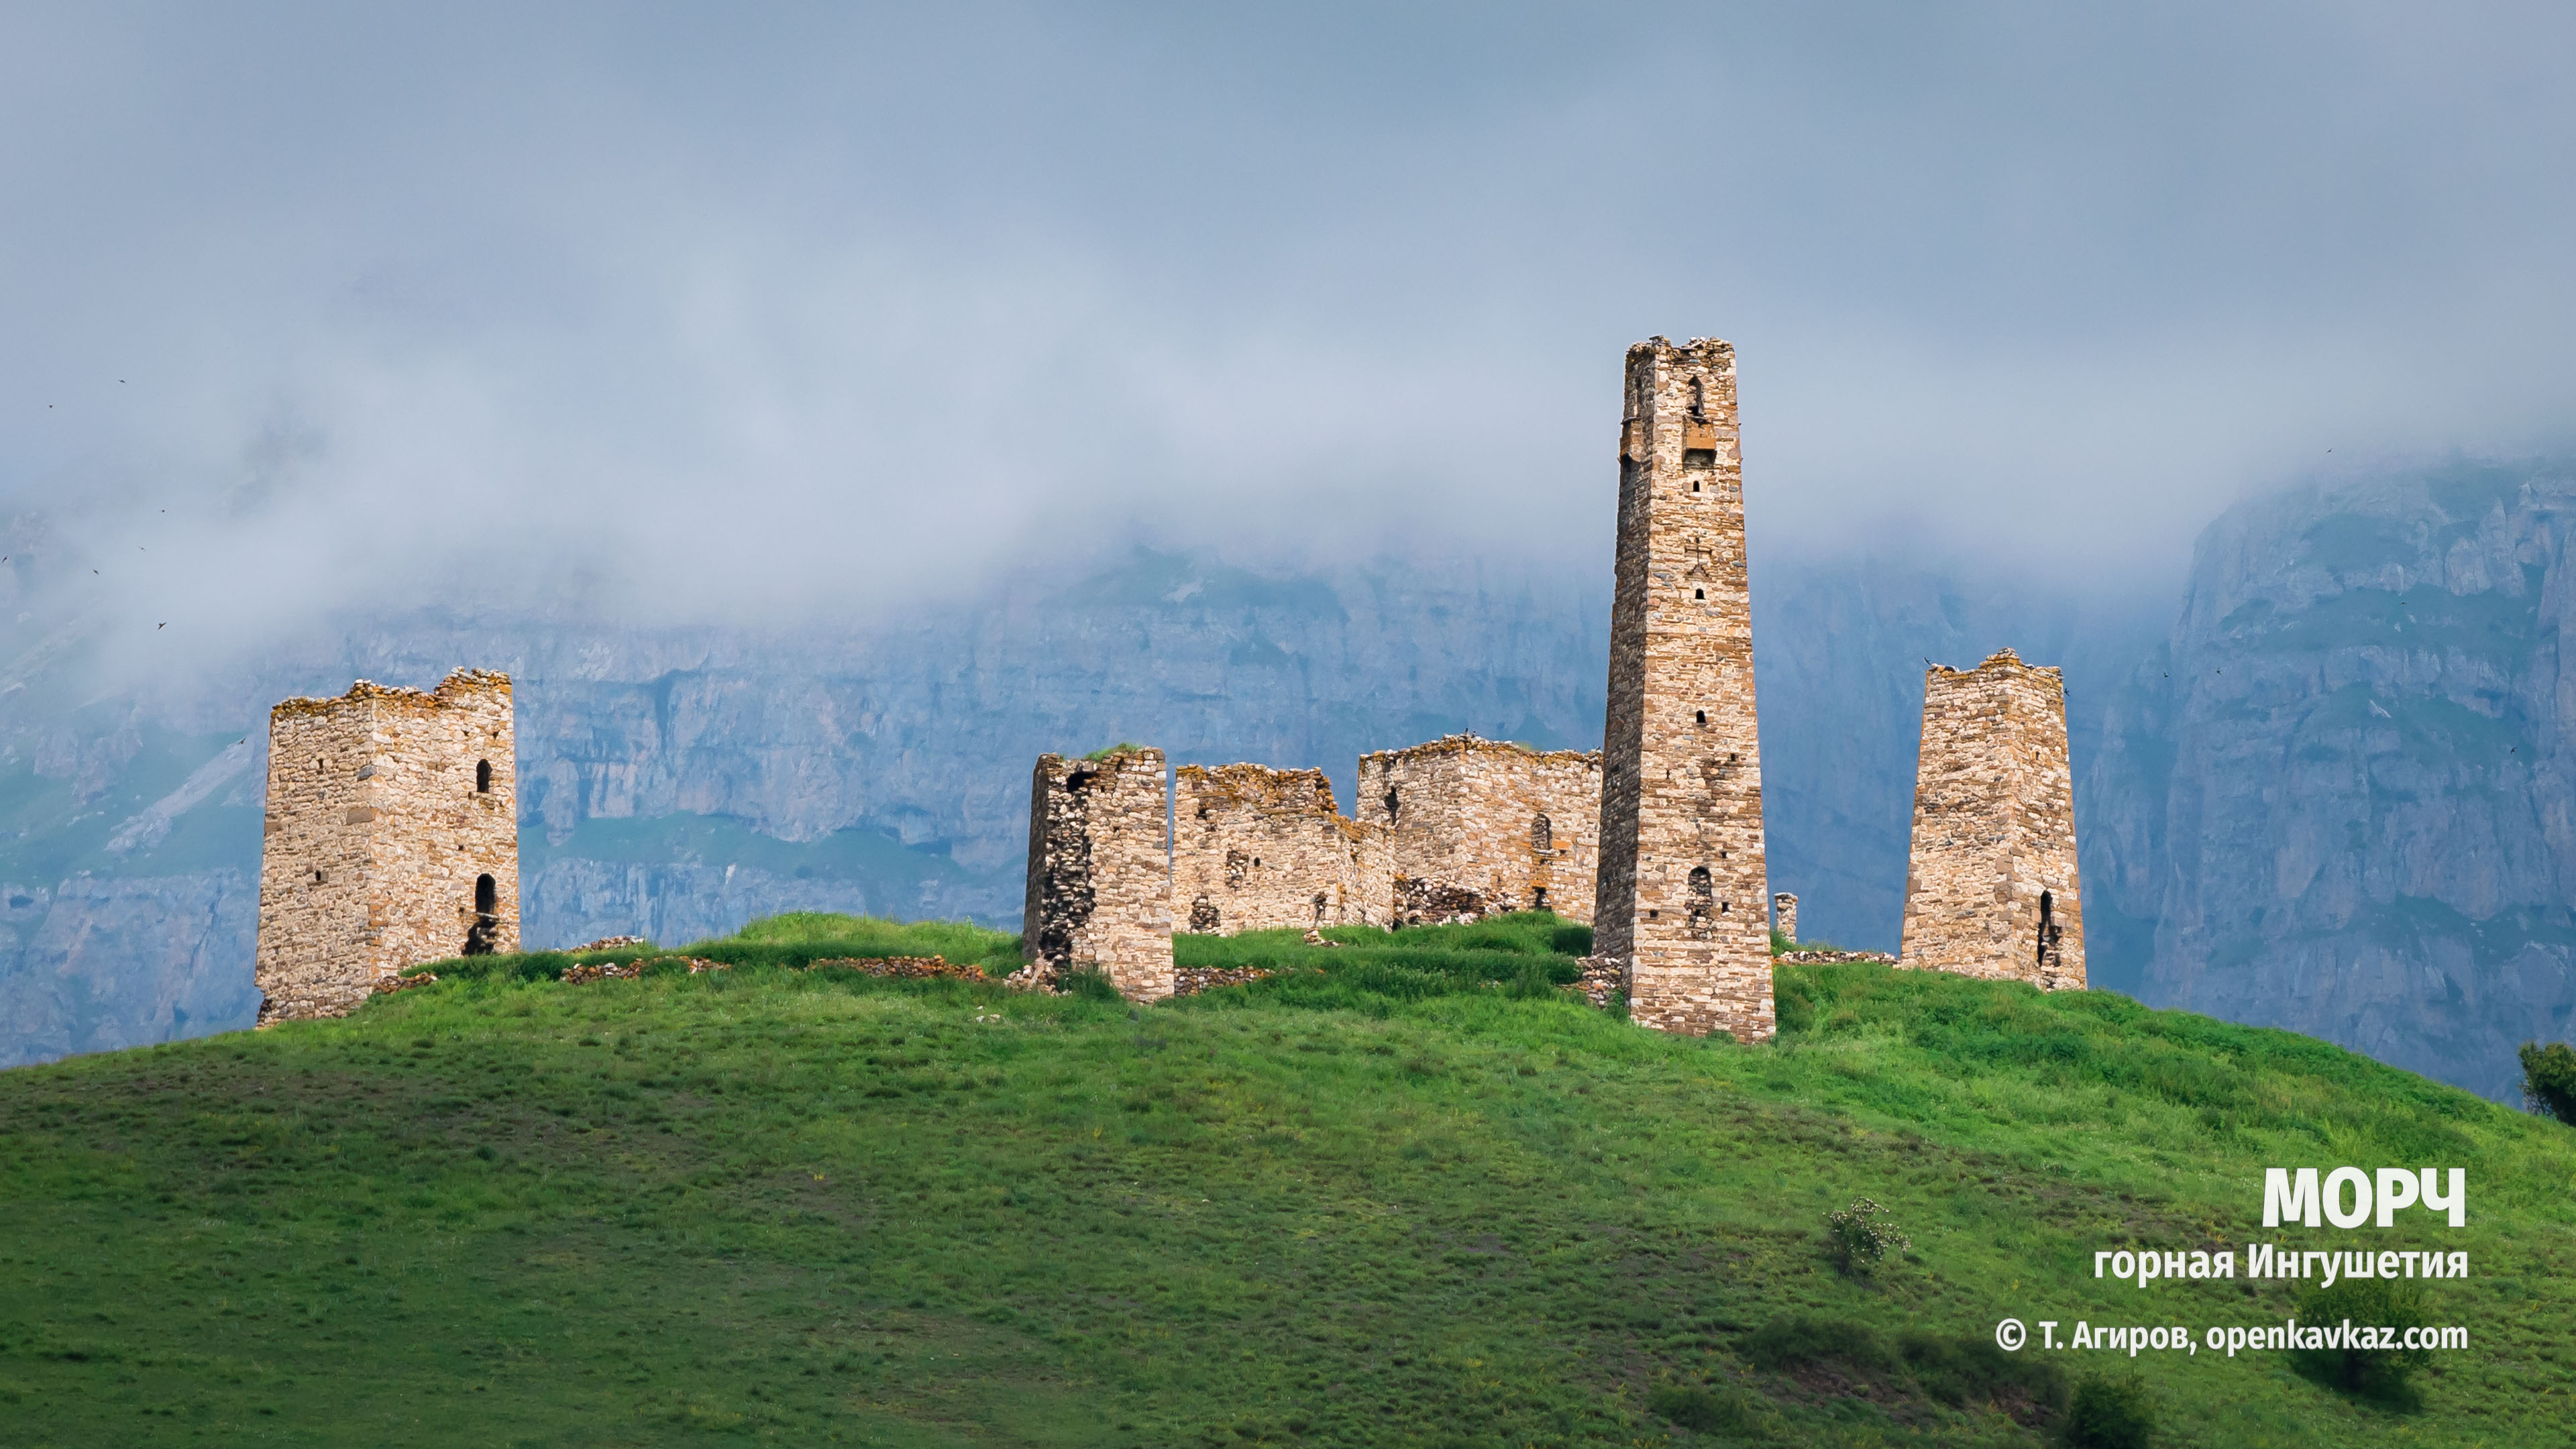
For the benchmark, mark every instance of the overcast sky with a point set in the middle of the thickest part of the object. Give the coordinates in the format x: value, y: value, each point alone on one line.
x: 760, y: 305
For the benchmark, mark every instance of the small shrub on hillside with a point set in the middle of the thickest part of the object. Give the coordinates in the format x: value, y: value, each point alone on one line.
x: 1780, y: 941
x: 1861, y: 1235
x: 2110, y: 1413
x: 1533, y: 983
x: 2370, y: 1373
x: 2549, y: 1080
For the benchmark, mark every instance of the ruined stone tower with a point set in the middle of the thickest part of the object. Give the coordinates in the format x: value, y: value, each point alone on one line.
x: 1991, y: 888
x: 1478, y: 827
x: 1682, y: 893
x: 1784, y: 914
x: 1100, y: 883
x: 392, y: 839
x: 1257, y: 849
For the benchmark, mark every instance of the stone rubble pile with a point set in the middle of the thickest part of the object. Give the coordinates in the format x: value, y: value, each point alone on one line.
x: 1601, y: 983
x: 1038, y: 975
x: 392, y: 984
x: 582, y: 975
x: 612, y: 943
x: 908, y: 968
x: 1190, y: 980
x: 1833, y: 958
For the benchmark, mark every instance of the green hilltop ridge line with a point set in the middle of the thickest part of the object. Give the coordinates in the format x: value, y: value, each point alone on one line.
x: 1404, y: 1191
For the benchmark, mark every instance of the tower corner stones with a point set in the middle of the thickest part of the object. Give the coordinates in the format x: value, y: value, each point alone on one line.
x: 391, y: 839
x: 1682, y: 892
x: 1100, y: 882
x: 1991, y: 887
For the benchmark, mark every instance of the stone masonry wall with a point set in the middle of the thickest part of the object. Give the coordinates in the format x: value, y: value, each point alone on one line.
x: 1514, y: 828
x: 1257, y: 849
x: 387, y: 808
x: 1100, y: 884
x: 1991, y: 886
x: 1682, y: 887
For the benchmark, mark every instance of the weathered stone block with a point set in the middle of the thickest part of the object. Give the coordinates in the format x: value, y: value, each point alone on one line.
x: 1100, y: 884
x: 1257, y: 849
x: 1991, y: 887
x: 1681, y: 878
x: 392, y: 838
x: 1479, y: 827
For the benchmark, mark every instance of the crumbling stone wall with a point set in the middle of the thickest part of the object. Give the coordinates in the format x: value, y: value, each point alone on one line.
x: 1784, y: 914
x: 1478, y: 827
x: 1100, y: 884
x: 1257, y: 849
x: 1681, y: 879
x: 392, y: 838
x: 1991, y: 887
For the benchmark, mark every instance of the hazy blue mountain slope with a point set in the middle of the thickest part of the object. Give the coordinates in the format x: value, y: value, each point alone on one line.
x: 2344, y: 791
x: 1841, y: 647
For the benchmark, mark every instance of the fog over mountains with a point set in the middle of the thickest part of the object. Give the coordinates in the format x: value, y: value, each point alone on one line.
x: 2334, y: 791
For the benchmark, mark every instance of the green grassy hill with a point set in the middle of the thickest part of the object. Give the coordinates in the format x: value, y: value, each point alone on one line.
x: 1407, y: 1193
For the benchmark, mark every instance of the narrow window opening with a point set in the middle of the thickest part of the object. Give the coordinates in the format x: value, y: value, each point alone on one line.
x: 1391, y: 805
x: 2048, y: 927
x: 487, y: 900
x: 1538, y: 898
x: 1694, y: 485
x: 1699, y: 398
x: 1699, y: 593
x: 483, y: 777
x: 1703, y: 716
x: 1703, y: 894
x: 319, y: 878
x: 1699, y: 458
x: 1542, y: 834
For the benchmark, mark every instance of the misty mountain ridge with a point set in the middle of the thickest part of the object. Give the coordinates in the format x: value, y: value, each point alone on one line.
x: 678, y: 781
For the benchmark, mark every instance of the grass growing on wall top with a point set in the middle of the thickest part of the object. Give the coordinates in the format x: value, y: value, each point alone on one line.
x: 770, y: 1206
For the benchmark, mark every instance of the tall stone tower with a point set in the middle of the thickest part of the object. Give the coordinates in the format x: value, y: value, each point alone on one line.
x: 1100, y: 881
x: 392, y: 839
x: 1682, y: 895
x: 1991, y: 888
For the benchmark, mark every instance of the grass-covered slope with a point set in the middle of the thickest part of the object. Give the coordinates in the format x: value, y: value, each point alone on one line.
x: 1385, y: 1204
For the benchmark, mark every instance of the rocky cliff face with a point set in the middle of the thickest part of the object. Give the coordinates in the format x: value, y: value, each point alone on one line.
x: 2341, y: 798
